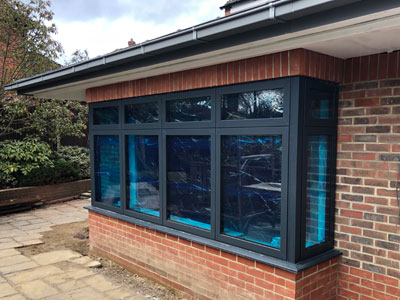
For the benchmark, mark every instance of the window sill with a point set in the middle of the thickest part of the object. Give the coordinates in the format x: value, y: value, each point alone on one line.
x: 274, y: 262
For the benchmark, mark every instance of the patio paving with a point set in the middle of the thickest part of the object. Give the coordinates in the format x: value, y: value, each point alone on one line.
x: 58, y: 275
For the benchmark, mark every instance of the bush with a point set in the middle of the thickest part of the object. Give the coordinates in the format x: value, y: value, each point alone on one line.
x: 78, y: 156
x: 18, y: 158
x: 62, y: 171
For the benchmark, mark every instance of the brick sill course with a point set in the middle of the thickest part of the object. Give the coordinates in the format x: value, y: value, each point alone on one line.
x: 268, y: 260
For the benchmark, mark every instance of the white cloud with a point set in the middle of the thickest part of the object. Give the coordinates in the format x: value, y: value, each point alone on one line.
x: 103, y: 35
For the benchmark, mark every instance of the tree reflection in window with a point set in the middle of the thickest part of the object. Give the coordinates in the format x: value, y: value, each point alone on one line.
x: 251, y: 188
x: 188, y: 180
x: 252, y: 105
x: 189, y: 110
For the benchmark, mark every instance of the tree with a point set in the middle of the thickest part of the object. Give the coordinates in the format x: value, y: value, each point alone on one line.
x: 77, y: 56
x: 26, y: 44
x: 30, y: 128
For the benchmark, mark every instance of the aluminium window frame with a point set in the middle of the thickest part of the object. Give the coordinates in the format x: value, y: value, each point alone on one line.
x: 124, y: 179
x: 95, y: 132
x: 180, y: 226
x: 295, y: 104
x: 259, y: 131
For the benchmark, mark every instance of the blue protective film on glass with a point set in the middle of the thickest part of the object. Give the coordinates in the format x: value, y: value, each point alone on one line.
x: 251, y: 188
x: 317, y: 190
x: 107, y: 169
x: 143, y: 174
x: 189, y: 180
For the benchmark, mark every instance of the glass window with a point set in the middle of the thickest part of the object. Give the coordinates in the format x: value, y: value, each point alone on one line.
x: 105, y: 115
x: 317, y: 190
x: 189, y: 110
x: 141, y: 113
x: 143, y: 174
x: 320, y: 105
x: 188, y: 180
x: 251, y: 188
x: 107, y: 175
x: 252, y: 105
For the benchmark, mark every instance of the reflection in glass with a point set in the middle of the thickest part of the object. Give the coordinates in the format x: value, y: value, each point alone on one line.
x: 320, y: 105
x: 141, y: 113
x: 251, y: 188
x: 106, y: 164
x: 252, y: 105
x: 142, y: 174
x: 317, y: 190
x: 189, y: 110
x: 188, y: 180
x: 105, y: 115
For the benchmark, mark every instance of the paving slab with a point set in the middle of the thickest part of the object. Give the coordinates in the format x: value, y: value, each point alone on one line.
x: 53, y: 257
x: 33, y: 274
x: 8, y: 252
x: 121, y: 293
x: 36, y: 289
x: 9, y: 245
x: 18, y: 267
x: 86, y: 293
x: 82, y: 260
x: 99, y: 283
x: 13, y: 260
x: 71, y: 285
x: 14, y: 297
x: 6, y: 290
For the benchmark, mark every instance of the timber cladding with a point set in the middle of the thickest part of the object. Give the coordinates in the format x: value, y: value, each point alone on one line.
x: 282, y: 64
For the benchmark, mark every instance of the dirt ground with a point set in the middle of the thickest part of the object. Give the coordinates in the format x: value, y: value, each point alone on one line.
x: 75, y: 236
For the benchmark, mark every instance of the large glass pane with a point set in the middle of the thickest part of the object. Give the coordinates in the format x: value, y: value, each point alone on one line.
x: 251, y: 188
x: 143, y: 174
x: 106, y: 164
x: 105, y: 115
x: 252, y: 105
x: 317, y: 190
x: 189, y: 110
x: 188, y: 180
x: 141, y: 113
x: 320, y: 105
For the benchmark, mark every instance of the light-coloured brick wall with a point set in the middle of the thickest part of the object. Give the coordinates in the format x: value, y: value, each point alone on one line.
x: 368, y: 169
x: 203, y: 272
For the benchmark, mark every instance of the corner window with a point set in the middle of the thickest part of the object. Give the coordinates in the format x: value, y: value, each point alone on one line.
x: 248, y: 166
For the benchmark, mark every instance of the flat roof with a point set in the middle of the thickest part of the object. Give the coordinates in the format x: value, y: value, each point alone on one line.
x: 269, y: 20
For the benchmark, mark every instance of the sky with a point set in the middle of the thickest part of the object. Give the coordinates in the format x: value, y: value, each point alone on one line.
x: 102, y: 26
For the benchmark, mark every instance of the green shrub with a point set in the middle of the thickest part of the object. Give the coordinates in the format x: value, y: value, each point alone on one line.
x: 18, y: 158
x: 61, y: 171
x: 78, y: 156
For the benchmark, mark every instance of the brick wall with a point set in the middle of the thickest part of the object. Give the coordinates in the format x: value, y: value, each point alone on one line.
x: 288, y: 63
x: 367, y: 208
x: 203, y: 272
x: 368, y: 168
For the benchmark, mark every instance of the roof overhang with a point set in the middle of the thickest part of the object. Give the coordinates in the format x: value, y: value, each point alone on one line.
x: 339, y: 28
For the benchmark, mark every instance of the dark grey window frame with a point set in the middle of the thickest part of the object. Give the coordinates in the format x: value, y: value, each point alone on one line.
x: 114, y: 103
x: 127, y: 211
x: 294, y: 127
x: 142, y: 100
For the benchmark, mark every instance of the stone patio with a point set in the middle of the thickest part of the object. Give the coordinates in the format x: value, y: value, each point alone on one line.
x: 57, y: 275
